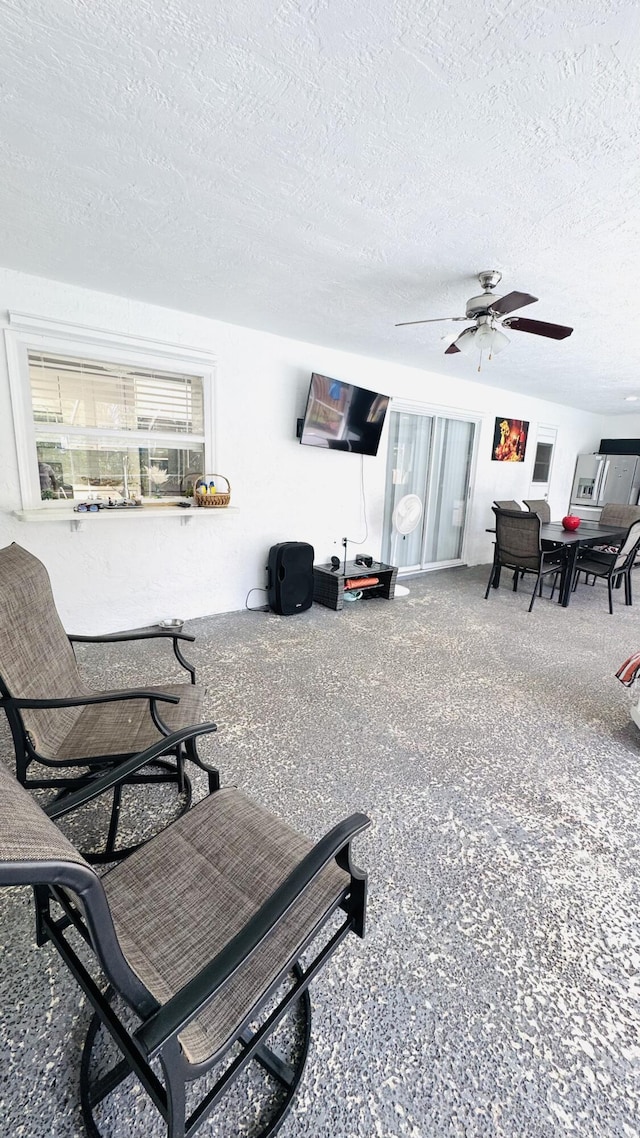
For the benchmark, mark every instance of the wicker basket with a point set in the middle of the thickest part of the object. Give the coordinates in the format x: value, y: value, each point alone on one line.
x: 217, y: 500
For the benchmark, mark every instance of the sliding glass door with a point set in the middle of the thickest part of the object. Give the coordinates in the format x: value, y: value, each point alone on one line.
x: 429, y: 459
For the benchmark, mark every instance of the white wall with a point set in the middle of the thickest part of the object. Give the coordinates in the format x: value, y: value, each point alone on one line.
x: 624, y: 426
x: 120, y: 573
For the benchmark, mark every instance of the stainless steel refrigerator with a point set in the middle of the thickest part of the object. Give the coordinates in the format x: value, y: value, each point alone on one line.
x: 602, y: 478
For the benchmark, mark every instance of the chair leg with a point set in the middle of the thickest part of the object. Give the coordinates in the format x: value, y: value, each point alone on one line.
x: 535, y: 590
x: 629, y: 585
x: 170, y: 1098
x: 176, y: 1094
x: 491, y: 579
x: 610, y: 596
x: 168, y: 767
x: 213, y: 775
x: 113, y: 823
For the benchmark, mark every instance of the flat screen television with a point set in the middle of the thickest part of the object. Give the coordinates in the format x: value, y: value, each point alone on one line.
x: 343, y: 417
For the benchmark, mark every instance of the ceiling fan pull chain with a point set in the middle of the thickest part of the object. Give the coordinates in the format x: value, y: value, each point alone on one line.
x: 480, y: 363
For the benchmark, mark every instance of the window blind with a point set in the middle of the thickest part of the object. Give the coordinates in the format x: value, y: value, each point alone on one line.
x: 89, y: 393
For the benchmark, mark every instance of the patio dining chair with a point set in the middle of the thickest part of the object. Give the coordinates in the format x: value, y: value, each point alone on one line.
x: 196, y: 947
x: 540, y: 507
x: 616, y: 514
x: 612, y: 567
x: 63, y: 731
x: 518, y: 547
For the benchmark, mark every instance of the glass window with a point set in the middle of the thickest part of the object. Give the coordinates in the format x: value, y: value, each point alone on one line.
x: 542, y: 463
x: 116, y: 430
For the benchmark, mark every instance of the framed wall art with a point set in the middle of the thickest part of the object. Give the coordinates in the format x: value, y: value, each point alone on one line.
x: 509, y: 440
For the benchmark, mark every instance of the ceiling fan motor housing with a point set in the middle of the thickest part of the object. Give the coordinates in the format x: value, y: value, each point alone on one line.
x: 480, y: 305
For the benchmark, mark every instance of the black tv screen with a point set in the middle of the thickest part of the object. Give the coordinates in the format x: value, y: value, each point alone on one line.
x: 343, y: 417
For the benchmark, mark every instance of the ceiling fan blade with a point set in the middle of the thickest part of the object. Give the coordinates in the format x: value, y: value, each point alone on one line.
x: 511, y: 301
x: 538, y: 327
x: 436, y: 320
x: 451, y: 349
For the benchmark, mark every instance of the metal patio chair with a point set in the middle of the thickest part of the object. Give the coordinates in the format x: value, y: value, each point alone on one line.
x: 613, y: 567
x: 540, y: 507
x: 615, y: 514
x: 518, y: 547
x: 200, y: 934
x: 63, y: 731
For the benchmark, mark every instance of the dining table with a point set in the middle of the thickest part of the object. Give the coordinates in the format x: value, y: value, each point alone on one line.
x: 553, y: 534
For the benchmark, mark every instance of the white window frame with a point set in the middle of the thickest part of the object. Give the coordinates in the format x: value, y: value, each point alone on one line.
x: 549, y: 435
x: 27, y: 333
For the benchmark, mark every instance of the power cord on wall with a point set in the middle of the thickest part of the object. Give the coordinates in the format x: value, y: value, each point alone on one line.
x: 351, y: 540
x: 262, y: 608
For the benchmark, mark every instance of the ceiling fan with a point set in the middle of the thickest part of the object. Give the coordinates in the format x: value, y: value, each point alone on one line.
x: 489, y: 314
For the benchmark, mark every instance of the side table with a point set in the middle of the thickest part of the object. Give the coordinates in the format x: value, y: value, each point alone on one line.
x: 329, y: 584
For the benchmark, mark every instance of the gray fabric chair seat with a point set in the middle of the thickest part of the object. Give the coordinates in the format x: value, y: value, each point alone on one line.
x: 179, y: 900
x: 119, y: 728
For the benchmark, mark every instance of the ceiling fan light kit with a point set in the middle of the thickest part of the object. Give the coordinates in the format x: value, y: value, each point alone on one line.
x: 489, y: 313
x: 466, y: 342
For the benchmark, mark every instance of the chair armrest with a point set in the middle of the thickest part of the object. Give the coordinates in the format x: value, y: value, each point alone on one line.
x: 100, y: 697
x: 596, y: 554
x: 132, y: 634
x: 173, y: 1016
x: 555, y: 556
x: 152, y: 633
x: 118, y: 773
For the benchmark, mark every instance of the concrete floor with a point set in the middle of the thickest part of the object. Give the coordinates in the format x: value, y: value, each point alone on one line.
x: 496, y: 993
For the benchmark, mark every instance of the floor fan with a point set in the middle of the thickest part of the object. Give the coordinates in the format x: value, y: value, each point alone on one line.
x: 405, y: 518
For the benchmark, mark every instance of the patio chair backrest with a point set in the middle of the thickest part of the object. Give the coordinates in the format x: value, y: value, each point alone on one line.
x: 30, y: 843
x: 508, y: 504
x: 614, y: 514
x: 36, y: 657
x: 33, y: 851
x: 629, y: 546
x: 540, y: 507
x: 518, y: 538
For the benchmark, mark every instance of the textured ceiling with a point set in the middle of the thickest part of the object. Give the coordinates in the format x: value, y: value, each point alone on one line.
x: 323, y: 169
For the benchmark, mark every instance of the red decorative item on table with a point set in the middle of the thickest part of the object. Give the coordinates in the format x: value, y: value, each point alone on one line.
x: 570, y: 522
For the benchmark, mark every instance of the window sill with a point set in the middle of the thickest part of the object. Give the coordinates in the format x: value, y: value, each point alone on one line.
x: 79, y: 521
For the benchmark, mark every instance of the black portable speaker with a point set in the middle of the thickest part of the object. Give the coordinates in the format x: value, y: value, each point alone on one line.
x: 290, y: 577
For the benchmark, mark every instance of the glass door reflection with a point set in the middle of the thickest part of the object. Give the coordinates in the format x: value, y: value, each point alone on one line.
x: 429, y: 455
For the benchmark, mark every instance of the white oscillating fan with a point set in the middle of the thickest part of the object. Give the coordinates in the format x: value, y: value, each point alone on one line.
x: 405, y: 518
